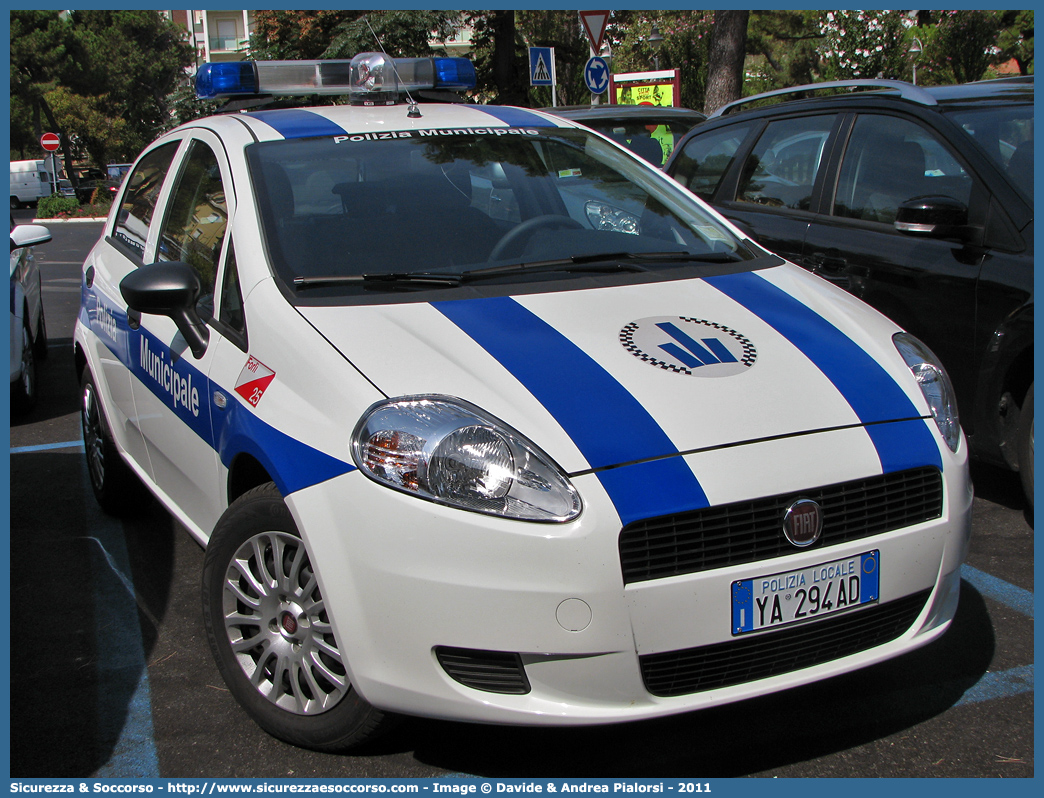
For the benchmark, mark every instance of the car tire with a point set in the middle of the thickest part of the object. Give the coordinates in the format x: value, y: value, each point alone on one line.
x: 116, y: 487
x: 1026, y: 446
x: 258, y: 586
x: 40, y: 342
x: 23, y: 390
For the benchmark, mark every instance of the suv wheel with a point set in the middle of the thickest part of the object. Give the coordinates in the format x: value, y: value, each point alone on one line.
x: 1026, y: 446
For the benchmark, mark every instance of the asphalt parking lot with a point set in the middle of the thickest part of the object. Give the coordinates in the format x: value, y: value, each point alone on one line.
x: 110, y: 674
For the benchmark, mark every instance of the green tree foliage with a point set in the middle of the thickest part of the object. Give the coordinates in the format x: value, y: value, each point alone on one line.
x: 100, y: 69
x: 343, y: 34
x: 563, y: 31
x: 782, y: 49
x: 498, y: 52
x: 685, y: 47
x: 93, y: 129
x: 134, y: 59
x: 1016, y: 40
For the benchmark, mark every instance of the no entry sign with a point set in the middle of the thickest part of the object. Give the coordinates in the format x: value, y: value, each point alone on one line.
x: 49, y: 141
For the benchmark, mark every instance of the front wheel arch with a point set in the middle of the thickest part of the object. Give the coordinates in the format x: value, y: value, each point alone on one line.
x: 271, y: 637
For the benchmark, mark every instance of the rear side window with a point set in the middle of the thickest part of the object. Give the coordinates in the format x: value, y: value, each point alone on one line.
x: 781, y: 170
x: 141, y: 196
x: 703, y: 162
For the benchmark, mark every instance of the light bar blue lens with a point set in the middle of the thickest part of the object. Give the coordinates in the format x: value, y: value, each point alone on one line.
x: 224, y: 78
x: 454, y: 73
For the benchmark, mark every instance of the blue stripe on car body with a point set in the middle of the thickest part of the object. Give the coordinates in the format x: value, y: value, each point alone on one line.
x: 866, y: 386
x: 297, y: 123
x: 515, y: 117
x: 231, y: 430
x: 608, y: 425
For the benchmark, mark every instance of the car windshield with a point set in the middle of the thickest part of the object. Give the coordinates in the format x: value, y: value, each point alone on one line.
x: 1005, y: 134
x: 350, y: 214
x: 652, y: 139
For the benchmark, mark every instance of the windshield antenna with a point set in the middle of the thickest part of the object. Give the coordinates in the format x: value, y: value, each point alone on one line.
x: 413, y: 111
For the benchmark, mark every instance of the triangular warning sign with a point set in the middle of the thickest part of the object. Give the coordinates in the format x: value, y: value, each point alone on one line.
x: 541, y: 72
x: 594, y: 24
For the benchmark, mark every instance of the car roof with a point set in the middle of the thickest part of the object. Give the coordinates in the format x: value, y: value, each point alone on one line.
x: 1013, y: 89
x: 340, y: 120
x: 615, y: 111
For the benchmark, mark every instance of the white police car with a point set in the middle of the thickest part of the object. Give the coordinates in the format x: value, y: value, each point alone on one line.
x: 28, y: 341
x: 481, y: 417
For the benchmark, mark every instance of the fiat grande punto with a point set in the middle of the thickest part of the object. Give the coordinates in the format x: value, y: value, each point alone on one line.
x: 481, y: 417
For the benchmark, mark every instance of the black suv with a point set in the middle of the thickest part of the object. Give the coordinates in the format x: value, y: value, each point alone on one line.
x: 918, y: 201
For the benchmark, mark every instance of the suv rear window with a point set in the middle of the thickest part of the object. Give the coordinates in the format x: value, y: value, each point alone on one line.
x: 1005, y: 134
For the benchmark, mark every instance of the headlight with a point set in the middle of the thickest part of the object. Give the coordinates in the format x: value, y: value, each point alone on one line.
x: 935, y: 385
x: 448, y: 451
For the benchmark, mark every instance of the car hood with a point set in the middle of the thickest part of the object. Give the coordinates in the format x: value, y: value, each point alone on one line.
x: 620, y: 375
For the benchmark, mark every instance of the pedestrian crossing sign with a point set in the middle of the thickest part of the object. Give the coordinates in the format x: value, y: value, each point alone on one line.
x: 541, y: 66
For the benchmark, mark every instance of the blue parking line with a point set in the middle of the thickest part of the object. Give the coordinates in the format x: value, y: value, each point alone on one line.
x: 125, y: 704
x: 47, y: 447
x: 999, y: 684
x: 124, y: 698
x: 1017, y: 598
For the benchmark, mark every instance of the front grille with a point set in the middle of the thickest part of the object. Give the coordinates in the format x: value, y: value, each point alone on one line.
x: 489, y: 671
x: 751, y: 531
x: 763, y: 655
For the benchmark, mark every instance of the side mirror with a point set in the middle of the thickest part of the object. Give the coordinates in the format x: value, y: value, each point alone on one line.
x: 29, y: 235
x: 169, y: 289
x: 934, y: 217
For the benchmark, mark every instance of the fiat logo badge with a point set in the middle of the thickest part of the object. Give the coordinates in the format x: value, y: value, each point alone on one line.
x: 803, y: 522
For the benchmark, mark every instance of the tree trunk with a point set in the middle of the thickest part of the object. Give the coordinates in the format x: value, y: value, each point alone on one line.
x: 725, y: 63
x: 510, y: 90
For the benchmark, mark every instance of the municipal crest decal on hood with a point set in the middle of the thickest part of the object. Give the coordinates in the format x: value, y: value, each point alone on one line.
x: 691, y: 346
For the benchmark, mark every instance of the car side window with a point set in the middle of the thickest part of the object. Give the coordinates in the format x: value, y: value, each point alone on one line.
x: 141, y: 196
x: 890, y: 160
x: 706, y: 158
x: 781, y: 169
x: 196, y: 221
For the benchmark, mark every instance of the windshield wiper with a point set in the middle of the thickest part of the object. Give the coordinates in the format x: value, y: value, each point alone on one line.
x: 391, y: 278
x: 602, y: 262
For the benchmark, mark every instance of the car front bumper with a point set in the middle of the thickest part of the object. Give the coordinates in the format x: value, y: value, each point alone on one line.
x: 407, y: 580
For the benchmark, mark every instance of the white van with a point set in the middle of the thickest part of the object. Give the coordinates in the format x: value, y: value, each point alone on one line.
x: 31, y: 180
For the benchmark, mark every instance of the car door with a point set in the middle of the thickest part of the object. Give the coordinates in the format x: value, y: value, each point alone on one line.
x: 925, y: 284
x: 120, y: 252
x: 172, y: 394
x: 766, y: 182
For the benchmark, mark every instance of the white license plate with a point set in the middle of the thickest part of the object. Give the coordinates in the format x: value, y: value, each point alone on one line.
x: 767, y: 602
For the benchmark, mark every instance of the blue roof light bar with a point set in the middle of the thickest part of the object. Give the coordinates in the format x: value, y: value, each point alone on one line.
x: 369, y: 78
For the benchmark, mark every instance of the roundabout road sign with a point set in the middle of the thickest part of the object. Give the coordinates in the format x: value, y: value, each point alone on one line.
x: 596, y: 75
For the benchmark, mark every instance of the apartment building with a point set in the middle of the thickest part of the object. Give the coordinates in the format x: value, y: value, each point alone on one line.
x: 216, y: 35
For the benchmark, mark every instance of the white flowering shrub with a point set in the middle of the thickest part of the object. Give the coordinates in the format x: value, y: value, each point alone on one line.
x: 864, y: 44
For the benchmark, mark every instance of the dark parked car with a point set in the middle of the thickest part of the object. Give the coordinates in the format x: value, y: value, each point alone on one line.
x: 651, y: 131
x: 918, y: 201
x: 87, y: 180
